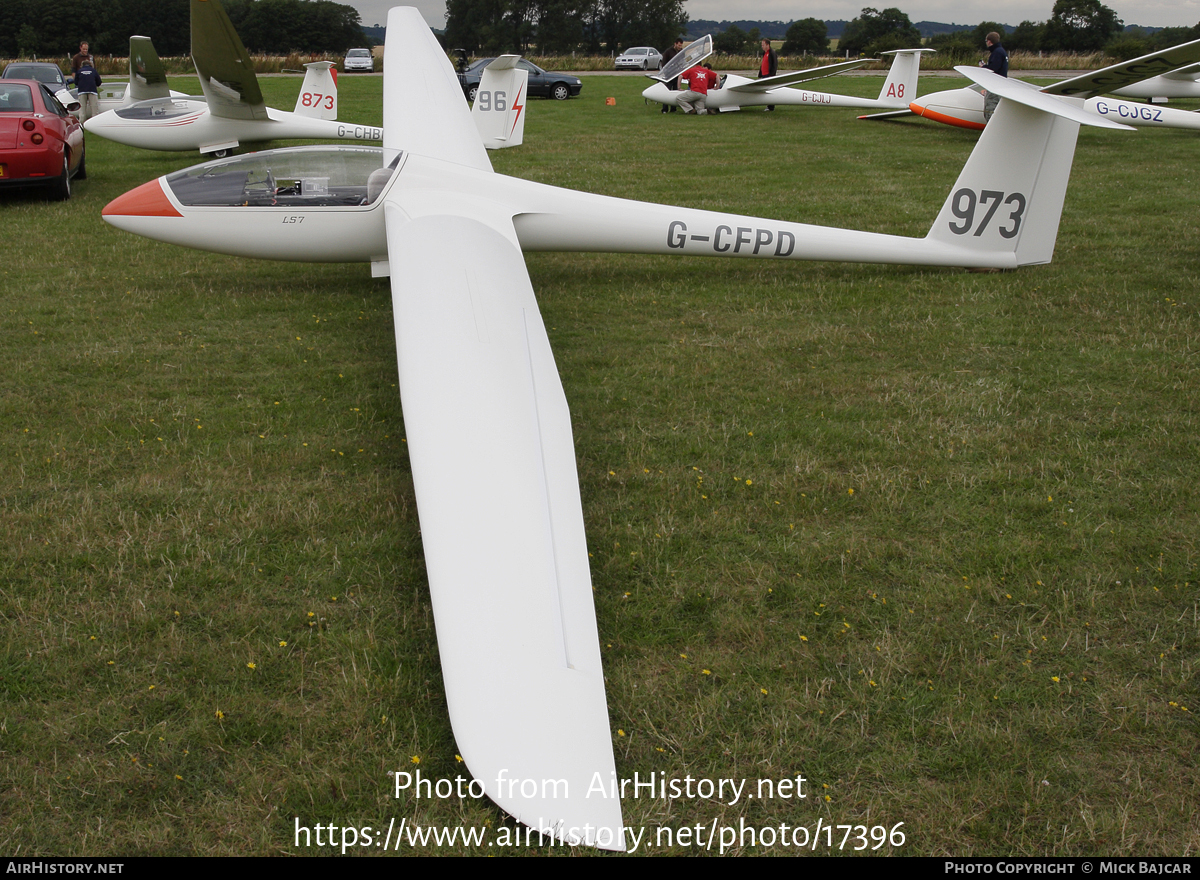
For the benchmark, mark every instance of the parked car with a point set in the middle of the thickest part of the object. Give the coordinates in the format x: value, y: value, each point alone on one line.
x: 48, y: 74
x: 640, y: 58
x: 41, y: 144
x: 359, y: 59
x: 542, y: 83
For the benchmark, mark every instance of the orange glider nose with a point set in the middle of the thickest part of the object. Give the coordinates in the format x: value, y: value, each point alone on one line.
x: 148, y: 200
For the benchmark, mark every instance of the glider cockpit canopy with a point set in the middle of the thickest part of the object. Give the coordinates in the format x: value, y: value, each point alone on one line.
x: 299, y: 177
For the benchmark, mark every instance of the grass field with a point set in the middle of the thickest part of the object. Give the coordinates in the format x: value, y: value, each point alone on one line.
x: 925, y: 537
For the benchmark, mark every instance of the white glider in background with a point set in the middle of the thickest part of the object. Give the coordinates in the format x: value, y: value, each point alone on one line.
x: 737, y: 92
x: 232, y: 110
x: 964, y: 107
x: 489, y: 431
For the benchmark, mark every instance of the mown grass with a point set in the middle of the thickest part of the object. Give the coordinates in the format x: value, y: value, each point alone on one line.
x: 928, y: 538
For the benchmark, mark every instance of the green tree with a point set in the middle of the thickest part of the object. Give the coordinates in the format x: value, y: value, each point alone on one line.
x: 876, y: 31
x: 1080, y: 26
x: 731, y: 41
x: 809, y: 35
x: 1026, y: 37
x: 979, y: 34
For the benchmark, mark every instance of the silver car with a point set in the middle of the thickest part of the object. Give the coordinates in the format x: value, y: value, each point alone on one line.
x: 359, y: 59
x: 640, y: 58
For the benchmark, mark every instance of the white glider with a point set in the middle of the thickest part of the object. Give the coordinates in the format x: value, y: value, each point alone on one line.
x: 232, y: 110
x: 737, y: 91
x: 964, y: 107
x: 489, y: 431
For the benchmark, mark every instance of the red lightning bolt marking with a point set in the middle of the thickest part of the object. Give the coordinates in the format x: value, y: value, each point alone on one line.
x: 518, y: 108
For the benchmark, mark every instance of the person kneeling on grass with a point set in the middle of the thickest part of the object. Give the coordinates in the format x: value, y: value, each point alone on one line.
x: 700, y: 81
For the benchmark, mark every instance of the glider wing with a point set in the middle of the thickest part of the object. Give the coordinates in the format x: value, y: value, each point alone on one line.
x: 799, y: 76
x: 226, y: 71
x: 1108, y: 79
x: 493, y: 462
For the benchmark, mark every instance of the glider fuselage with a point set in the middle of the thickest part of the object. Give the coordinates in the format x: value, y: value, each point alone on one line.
x: 179, y: 124
x: 964, y: 108
x: 728, y: 99
x: 273, y: 217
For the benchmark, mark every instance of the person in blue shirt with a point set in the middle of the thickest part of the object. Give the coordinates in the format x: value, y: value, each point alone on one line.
x: 997, y: 62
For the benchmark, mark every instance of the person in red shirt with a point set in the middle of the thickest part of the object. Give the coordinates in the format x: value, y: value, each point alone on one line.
x: 770, y: 64
x: 700, y: 81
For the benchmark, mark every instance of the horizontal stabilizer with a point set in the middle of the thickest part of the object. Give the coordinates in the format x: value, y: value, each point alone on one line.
x: 1022, y: 93
x: 891, y: 114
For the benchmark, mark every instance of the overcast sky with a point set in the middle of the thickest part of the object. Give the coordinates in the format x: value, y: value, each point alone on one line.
x: 1154, y: 13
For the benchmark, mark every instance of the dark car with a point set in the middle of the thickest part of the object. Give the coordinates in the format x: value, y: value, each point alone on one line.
x: 41, y: 144
x: 542, y: 83
x: 42, y: 71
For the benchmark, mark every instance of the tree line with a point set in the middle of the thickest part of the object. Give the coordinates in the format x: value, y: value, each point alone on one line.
x: 53, y: 28
x: 1074, y: 26
x: 560, y: 27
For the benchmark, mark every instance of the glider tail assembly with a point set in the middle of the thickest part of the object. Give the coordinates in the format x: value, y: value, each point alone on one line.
x: 147, y: 76
x: 499, y: 109
x: 901, y: 84
x: 319, y: 93
x: 1009, y: 196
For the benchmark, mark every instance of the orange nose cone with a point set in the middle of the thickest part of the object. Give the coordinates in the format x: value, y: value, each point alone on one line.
x: 148, y: 200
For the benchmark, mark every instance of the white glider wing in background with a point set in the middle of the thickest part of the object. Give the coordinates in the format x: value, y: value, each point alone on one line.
x: 489, y: 431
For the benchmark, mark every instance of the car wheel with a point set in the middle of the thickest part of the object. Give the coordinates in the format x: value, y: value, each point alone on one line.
x: 560, y: 92
x: 60, y: 188
x: 471, y: 93
x: 81, y: 171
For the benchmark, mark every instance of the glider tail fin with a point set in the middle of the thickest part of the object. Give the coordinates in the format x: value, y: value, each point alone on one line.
x: 499, y: 110
x: 1009, y: 196
x: 900, y: 87
x: 318, y: 94
x: 147, y: 76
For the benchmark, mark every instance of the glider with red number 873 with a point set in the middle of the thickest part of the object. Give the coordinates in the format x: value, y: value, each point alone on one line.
x: 232, y: 111
x: 488, y: 428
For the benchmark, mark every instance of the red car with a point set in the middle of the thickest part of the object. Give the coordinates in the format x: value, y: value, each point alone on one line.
x: 40, y: 142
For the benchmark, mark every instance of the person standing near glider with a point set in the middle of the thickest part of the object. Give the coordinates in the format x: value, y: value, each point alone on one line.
x: 997, y: 62
x: 770, y: 65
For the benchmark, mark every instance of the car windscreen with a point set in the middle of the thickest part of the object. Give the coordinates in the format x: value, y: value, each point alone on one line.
x: 358, y: 53
x: 47, y: 74
x: 15, y: 98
